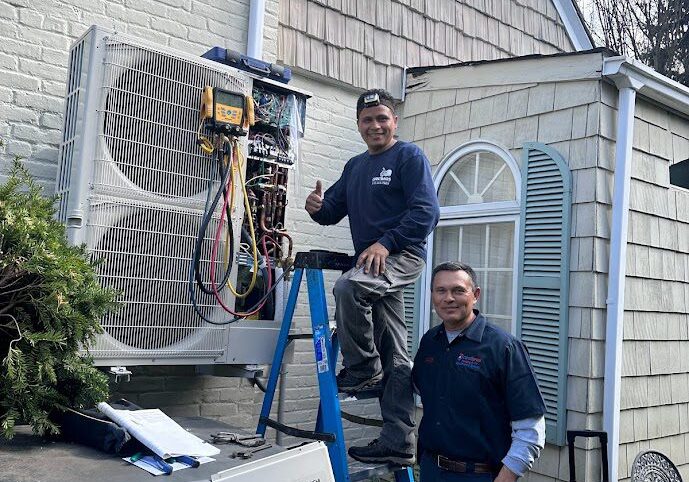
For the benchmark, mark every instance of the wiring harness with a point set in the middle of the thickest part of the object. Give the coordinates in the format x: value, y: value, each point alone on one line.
x: 229, y: 173
x: 263, y: 197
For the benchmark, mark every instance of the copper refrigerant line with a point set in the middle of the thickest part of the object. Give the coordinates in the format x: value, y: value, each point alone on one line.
x: 229, y: 163
x: 269, y: 207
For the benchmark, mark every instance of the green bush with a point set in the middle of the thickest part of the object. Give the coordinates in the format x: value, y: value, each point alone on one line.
x: 50, y: 305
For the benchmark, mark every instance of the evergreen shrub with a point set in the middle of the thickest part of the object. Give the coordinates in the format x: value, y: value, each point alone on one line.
x: 51, y: 304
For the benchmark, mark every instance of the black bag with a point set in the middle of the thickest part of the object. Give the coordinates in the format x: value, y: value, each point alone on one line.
x: 90, y: 427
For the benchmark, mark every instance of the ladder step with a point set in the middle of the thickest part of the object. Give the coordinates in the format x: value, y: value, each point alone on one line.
x: 364, y: 471
x: 296, y: 432
x: 318, y: 259
x: 371, y: 422
x: 360, y: 395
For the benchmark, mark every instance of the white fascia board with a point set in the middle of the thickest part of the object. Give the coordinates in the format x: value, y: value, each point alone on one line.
x: 502, y: 72
x: 573, y: 24
x: 647, y: 82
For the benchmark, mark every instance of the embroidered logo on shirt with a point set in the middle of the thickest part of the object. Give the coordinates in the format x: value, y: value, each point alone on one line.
x: 428, y: 359
x: 468, y: 361
x: 384, y: 178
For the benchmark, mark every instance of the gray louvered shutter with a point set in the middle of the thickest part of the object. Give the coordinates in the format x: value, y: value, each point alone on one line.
x: 411, y: 315
x: 543, y: 303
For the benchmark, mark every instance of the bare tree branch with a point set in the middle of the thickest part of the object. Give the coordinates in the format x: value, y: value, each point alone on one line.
x: 654, y: 31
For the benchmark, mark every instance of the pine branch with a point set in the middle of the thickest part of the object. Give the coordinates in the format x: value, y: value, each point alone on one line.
x: 50, y: 292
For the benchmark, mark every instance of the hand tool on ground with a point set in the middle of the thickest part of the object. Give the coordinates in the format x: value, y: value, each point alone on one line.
x: 244, y: 440
x: 247, y: 454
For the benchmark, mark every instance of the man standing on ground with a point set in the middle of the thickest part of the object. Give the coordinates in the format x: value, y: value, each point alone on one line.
x: 483, y: 411
x: 389, y: 196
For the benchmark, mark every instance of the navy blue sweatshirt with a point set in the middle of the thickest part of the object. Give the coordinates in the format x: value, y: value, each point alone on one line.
x: 389, y: 198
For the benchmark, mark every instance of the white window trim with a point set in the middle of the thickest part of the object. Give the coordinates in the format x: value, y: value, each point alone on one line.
x: 474, y: 146
x: 504, y: 211
x: 480, y: 210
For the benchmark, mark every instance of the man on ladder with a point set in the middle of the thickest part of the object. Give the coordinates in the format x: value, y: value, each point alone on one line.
x: 389, y: 196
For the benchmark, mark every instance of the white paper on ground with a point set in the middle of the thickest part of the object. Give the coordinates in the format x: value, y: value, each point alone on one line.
x: 159, y: 432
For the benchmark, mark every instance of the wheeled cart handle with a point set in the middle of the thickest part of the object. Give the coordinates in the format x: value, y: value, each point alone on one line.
x: 602, y: 436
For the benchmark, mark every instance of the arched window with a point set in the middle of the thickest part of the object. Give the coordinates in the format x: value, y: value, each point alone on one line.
x: 479, y: 188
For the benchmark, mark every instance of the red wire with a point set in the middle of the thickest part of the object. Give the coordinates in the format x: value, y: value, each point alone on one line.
x: 216, y: 241
x: 270, y: 285
x: 214, y: 253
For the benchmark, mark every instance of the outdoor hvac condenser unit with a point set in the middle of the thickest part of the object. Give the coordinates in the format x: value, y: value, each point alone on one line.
x: 132, y: 183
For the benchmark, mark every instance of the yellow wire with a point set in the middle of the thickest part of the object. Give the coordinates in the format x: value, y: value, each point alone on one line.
x: 205, y: 144
x: 247, y: 207
x: 227, y: 235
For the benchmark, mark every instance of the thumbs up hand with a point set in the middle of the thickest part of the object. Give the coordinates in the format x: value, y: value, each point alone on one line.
x: 315, y: 200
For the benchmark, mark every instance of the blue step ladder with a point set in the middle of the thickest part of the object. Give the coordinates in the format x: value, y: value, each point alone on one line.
x: 329, y: 421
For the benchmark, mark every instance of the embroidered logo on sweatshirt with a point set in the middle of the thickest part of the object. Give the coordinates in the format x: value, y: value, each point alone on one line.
x: 384, y: 178
x: 468, y: 361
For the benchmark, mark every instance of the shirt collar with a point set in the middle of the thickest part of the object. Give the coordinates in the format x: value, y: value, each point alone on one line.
x: 473, y: 332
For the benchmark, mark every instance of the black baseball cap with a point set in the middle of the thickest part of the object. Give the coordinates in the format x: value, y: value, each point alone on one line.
x: 374, y: 97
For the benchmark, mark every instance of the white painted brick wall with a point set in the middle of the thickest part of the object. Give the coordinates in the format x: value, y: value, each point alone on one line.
x: 35, y: 37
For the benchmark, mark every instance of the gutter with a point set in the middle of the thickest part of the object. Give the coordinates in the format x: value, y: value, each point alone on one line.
x: 254, y: 41
x: 654, y: 86
x: 630, y: 77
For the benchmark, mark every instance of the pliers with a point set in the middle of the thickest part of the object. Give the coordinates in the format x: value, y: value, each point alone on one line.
x: 237, y: 438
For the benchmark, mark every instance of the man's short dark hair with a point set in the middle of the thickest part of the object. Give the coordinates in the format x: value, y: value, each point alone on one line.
x: 455, y: 266
x: 384, y: 98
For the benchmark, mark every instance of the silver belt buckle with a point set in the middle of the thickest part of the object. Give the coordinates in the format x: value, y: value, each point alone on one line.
x: 437, y: 462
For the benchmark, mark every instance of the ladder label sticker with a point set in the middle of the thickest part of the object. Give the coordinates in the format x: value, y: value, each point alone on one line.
x: 321, y: 351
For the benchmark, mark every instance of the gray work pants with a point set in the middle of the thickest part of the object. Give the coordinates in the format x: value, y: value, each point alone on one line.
x: 373, y: 336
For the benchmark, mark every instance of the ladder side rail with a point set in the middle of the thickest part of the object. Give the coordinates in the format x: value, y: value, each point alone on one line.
x: 405, y: 474
x: 280, y: 348
x: 327, y: 385
x: 335, y: 351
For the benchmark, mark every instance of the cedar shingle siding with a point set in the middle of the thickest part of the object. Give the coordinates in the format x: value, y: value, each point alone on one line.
x: 368, y: 43
x: 654, y: 404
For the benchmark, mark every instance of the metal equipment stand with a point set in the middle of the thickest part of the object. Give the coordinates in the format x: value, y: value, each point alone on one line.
x: 328, y: 422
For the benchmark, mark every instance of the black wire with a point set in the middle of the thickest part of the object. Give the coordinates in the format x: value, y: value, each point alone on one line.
x: 194, y: 268
x: 192, y: 294
x: 256, y: 381
x: 206, y: 219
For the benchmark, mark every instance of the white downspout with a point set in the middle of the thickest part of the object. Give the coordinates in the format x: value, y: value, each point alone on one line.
x: 254, y: 41
x: 617, y: 267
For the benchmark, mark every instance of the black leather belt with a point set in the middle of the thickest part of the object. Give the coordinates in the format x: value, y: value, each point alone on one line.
x: 461, y: 466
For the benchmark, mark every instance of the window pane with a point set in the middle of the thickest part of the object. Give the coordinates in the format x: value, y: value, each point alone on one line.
x: 497, y: 288
x: 474, y: 245
x: 489, y: 249
x: 479, y: 177
x: 446, y: 244
x: 501, y: 245
x: 449, y: 194
x: 502, y: 188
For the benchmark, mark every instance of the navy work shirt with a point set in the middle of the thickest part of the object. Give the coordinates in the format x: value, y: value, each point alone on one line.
x: 472, y: 389
x: 389, y: 197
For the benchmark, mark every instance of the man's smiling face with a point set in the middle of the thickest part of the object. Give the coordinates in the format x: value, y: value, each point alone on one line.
x: 454, y: 295
x: 377, y: 126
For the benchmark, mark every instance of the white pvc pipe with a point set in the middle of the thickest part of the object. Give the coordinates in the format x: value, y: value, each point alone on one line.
x: 617, y: 269
x: 254, y: 41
